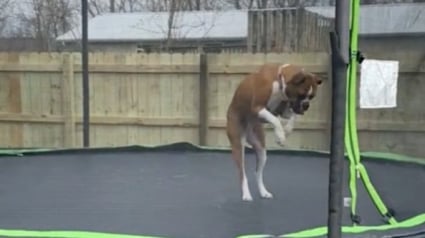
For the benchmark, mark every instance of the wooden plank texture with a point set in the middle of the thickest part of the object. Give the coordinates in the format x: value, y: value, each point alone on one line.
x: 68, y: 95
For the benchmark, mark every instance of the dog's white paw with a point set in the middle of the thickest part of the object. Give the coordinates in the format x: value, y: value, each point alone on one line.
x: 280, y: 138
x: 247, y: 197
x: 266, y: 194
x: 288, y: 129
x: 246, y: 193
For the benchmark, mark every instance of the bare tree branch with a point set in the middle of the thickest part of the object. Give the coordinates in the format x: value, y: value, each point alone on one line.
x: 172, y: 11
x: 4, y: 13
x: 47, y: 19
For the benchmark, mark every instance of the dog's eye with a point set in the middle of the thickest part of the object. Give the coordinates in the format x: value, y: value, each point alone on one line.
x: 310, y: 97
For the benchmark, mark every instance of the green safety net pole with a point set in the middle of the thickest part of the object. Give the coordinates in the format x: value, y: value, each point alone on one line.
x: 351, y: 144
x: 357, y: 170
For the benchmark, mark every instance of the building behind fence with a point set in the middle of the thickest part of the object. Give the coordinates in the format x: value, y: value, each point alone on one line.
x: 397, y: 27
x: 259, y: 30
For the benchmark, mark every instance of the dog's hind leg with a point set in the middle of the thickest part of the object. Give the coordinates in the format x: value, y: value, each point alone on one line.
x: 235, y: 130
x: 256, y: 138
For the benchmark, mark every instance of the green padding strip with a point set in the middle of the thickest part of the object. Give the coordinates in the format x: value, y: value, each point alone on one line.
x: 352, y: 82
x: 350, y: 145
x: 353, y: 187
x: 351, y: 142
x: 393, y: 157
x: 321, y: 231
x: 22, y: 151
x: 373, y: 193
x: 66, y: 234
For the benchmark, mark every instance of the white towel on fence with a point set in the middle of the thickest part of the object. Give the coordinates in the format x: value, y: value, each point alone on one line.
x: 378, y: 83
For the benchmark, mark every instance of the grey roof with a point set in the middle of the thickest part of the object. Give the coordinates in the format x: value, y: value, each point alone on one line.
x: 154, y: 25
x: 406, y: 18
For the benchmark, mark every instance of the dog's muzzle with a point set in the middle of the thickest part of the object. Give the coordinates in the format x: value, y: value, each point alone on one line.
x: 299, y: 107
x: 305, y: 105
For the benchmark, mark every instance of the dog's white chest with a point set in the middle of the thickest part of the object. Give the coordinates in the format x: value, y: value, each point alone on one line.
x: 276, y: 96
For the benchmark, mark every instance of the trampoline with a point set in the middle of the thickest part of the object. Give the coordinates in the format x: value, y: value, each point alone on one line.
x: 181, y: 190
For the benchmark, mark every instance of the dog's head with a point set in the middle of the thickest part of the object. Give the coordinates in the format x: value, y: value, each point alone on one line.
x: 301, y: 88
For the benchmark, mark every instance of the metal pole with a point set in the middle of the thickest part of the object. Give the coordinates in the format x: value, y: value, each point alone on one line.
x: 84, y: 53
x: 342, y: 27
x: 339, y: 44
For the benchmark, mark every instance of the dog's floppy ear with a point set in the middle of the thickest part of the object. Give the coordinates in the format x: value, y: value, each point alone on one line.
x: 298, y: 78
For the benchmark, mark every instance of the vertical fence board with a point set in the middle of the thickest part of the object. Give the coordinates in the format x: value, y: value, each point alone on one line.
x: 203, y: 100
x: 68, y: 100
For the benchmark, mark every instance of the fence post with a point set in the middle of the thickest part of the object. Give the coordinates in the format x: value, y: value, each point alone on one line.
x: 68, y: 99
x: 203, y: 99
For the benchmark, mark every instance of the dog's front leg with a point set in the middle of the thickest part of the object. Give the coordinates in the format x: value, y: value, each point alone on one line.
x: 278, y: 128
x: 289, y: 125
x: 255, y: 137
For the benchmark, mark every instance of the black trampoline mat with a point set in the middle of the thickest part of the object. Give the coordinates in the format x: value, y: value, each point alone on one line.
x: 178, y: 194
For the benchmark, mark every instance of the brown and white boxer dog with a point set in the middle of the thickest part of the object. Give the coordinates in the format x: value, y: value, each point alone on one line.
x: 269, y: 95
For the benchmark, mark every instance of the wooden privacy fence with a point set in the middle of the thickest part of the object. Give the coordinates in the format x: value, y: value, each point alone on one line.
x: 154, y: 99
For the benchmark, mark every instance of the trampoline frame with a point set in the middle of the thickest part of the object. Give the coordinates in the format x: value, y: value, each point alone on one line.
x: 341, y: 63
